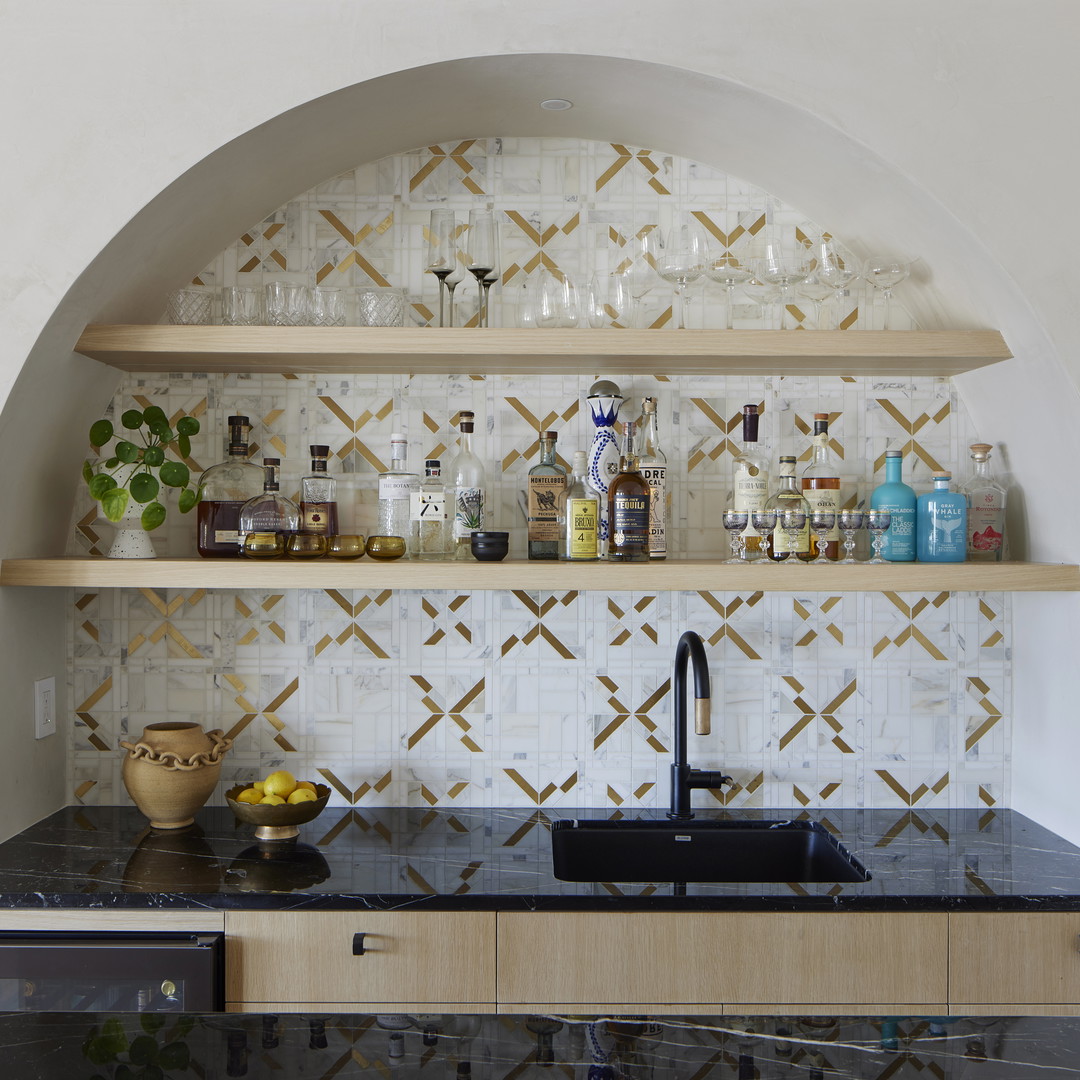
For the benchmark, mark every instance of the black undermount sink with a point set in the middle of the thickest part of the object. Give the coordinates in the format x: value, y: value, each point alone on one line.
x: 699, y: 850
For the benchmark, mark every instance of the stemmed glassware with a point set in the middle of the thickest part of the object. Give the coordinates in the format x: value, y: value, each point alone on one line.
x: 792, y: 522
x: 735, y: 521
x: 726, y: 270
x: 850, y: 522
x: 442, y: 255
x: 640, y: 276
x: 782, y: 267
x: 479, y: 251
x: 491, y: 277
x: 877, y: 523
x: 822, y: 522
x: 764, y: 521
x: 837, y: 268
x: 885, y: 272
x: 681, y: 262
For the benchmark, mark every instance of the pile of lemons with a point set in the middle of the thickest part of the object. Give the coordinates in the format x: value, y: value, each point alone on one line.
x: 277, y: 789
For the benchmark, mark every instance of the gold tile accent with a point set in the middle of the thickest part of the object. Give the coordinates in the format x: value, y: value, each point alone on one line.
x: 809, y: 714
x: 912, y: 797
x: 354, y: 795
x: 625, y: 156
x: 547, y: 791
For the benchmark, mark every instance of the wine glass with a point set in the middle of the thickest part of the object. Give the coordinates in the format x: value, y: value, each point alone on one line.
x: 850, y: 522
x: 441, y: 231
x: 726, y: 270
x: 681, y: 262
x: 491, y: 277
x: 792, y: 522
x: 822, y: 522
x: 735, y: 521
x: 885, y: 272
x: 640, y: 275
x: 479, y: 251
x: 548, y: 300
x: 837, y: 268
x: 764, y: 522
x: 782, y: 267
x: 878, y: 522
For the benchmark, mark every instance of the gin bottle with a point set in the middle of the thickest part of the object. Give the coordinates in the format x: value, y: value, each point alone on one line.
x: 467, y: 487
x: 899, y: 499
x: 269, y: 512
x: 653, y: 464
x: 941, y: 523
x: 396, y: 487
x: 546, y: 495
x: 628, y: 507
x: 430, y: 528
x: 581, y: 516
x: 225, y: 488
x: 318, y: 496
x: 751, y: 486
x: 985, y: 508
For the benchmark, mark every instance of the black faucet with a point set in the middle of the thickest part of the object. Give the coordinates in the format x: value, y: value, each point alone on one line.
x: 683, y: 778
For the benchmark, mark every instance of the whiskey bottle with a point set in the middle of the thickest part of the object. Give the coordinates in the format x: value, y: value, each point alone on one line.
x: 653, y: 464
x: 467, y: 485
x: 270, y: 511
x: 751, y: 487
x: 396, y: 486
x: 821, y: 482
x: 628, y: 507
x: 581, y: 516
x: 225, y: 488
x: 318, y: 496
x: 985, y: 508
x: 430, y: 528
x: 787, y: 497
x: 546, y: 495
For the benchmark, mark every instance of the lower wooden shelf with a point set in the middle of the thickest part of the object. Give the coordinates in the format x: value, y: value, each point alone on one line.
x: 671, y: 575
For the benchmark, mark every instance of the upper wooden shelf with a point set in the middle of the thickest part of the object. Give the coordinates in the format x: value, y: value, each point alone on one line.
x: 359, y: 349
x: 670, y: 575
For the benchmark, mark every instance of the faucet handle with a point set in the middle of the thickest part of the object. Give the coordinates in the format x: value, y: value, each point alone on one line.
x: 702, y: 715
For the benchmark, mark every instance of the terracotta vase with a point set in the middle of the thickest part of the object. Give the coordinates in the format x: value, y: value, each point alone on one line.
x: 171, y: 771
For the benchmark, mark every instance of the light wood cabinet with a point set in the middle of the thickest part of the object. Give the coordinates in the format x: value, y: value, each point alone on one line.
x: 409, y: 958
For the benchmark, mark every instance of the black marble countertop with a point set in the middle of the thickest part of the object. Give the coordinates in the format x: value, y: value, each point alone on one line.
x: 500, y: 859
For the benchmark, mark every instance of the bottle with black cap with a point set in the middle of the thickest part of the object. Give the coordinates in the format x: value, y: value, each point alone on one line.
x: 318, y: 496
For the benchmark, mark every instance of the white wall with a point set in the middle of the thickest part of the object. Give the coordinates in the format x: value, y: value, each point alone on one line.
x: 941, y: 128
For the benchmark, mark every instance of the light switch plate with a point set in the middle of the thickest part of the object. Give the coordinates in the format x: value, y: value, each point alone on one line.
x: 44, y: 708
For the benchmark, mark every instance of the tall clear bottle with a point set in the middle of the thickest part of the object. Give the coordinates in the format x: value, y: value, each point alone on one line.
x: 941, y: 523
x: 751, y: 482
x: 318, y: 496
x: 467, y: 484
x: 899, y: 499
x: 787, y: 497
x: 546, y: 495
x: 581, y: 516
x: 225, y: 488
x: 430, y: 527
x: 821, y: 481
x: 396, y: 487
x: 986, y: 508
x: 652, y: 461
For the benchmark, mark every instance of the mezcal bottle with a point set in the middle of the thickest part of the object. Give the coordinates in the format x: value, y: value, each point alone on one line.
x: 546, y: 494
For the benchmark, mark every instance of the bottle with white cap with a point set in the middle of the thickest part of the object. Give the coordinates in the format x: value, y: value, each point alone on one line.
x: 396, y: 486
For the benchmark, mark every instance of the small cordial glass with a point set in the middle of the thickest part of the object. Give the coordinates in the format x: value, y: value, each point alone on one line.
x: 385, y: 547
x: 878, y: 522
x: 735, y: 521
x: 850, y: 522
x: 764, y: 521
x: 264, y: 545
x: 792, y: 522
x: 822, y: 522
x: 345, y: 546
x: 305, y: 546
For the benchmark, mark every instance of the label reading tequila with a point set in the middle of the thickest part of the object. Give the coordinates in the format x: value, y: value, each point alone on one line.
x: 631, y: 524
x: 427, y: 506
x: 468, y: 512
x: 546, y: 494
x: 656, y: 477
x: 582, y: 525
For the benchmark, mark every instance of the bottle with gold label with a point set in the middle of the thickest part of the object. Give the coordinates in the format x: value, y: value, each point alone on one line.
x: 787, y: 497
x: 318, y: 496
x: 628, y: 507
x: 821, y: 482
x: 751, y: 484
x: 581, y: 516
x: 546, y: 493
x: 653, y: 464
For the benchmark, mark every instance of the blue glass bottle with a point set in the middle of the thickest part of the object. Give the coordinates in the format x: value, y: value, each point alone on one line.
x: 894, y: 495
x: 941, y: 523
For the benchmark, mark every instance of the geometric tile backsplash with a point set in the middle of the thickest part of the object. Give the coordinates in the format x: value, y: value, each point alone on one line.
x: 546, y: 698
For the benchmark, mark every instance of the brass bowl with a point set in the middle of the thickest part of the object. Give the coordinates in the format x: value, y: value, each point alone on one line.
x: 345, y: 546
x: 264, y: 545
x: 386, y: 547
x: 277, y: 822
x: 305, y: 546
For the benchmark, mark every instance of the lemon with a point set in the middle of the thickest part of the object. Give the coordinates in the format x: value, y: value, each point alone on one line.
x: 258, y: 785
x: 281, y: 783
x: 302, y: 794
x: 249, y: 795
x: 271, y: 800
x: 305, y: 784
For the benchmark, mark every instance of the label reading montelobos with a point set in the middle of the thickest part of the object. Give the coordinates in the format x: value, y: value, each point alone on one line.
x: 395, y: 487
x: 468, y: 512
x: 656, y: 477
x: 427, y: 506
x: 546, y: 496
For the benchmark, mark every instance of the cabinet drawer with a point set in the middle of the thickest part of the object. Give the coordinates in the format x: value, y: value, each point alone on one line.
x: 446, y: 957
x: 1015, y: 957
x: 714, y: 957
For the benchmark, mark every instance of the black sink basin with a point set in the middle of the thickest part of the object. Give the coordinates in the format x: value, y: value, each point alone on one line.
x: 699, y: 850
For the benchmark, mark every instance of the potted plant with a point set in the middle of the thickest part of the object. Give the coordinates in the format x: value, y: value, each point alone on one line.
x: 128, y: 483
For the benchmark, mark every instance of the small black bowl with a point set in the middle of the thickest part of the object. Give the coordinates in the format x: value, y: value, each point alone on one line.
x: 490, y: 546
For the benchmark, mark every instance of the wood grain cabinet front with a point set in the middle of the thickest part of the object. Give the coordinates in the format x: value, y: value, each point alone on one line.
x: 738, y: 957
x: 360, y: 958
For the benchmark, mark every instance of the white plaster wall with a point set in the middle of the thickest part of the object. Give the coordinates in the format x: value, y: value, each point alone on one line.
x: 942, y: 128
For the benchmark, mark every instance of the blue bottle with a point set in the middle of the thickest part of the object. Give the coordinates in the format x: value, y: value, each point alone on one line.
x: 941, y: 523
x: 894, y: 495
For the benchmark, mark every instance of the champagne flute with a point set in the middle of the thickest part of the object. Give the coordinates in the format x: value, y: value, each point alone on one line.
x: 492, y: 276
x: 792, y: 522
x: 850, y: 522
x: 885, y: 272
x: 822, y: 521
x: 479, y: 252
x: 682, y: 262
x: 878, y: 522
x: 726, y: 270
x: 735, y: 521
x: 441, y: 230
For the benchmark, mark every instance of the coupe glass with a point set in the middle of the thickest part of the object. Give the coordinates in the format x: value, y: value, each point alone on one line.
x: 885, y: 272
x: 441, y: 251
x: 682, y: 261
x: 792, y: 522
x: 877, y: 523
x: 479, y: 253
x: 822, y: 522
x: 783, y: 267
x: 735, y: 521
x: 726, y: 270
x: 850, y: 522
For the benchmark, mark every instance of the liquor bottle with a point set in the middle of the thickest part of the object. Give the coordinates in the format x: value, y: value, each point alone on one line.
x: 899, y: 499
x: 430, y: 528
x: 653, y: 464
x: 225, y: 488
x: 396, y: 487
x: 546, y: 494
x: 604, y: 401
x: 318, y: 496
x: 467, y: 484
x: 270, y: 511
x: 628, y: 507
x: 986, y: 508
x: 751, y: 487
x: 821, y: 482
x: 581, y: 516
x: 787, y: 497
x: 941, y: 523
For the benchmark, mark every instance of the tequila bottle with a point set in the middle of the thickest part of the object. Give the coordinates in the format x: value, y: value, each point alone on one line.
x: 653, y: 464
x: 787, y: 497
x: 467, y: 487
x: 318, y: 496
x: 396, y: 487
x: 430, y: 527
x: 628, y: 507
x: 546, y: 495
x: 751, y: 487
x: 985, y: 508
x: 604, y: 401
x: 270, y: 511
x: 225, y: 488
x: 581, y: 516
x: 821, y: 482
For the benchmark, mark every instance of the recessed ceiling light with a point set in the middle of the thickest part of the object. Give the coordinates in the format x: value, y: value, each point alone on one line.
x: 556, y: 104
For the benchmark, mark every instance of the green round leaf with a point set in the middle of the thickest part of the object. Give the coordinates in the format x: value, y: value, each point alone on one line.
x: 113, y: 1030
x: 154, y: 412
x: 101, y: 432
x: 185, y: 1025
x: 87, y: 471
x: 127, y: 452
x: 153, y: 455
x: 114, y: 503
x: 175, y: 474
x: 162, y: 430
x: 187, y: 425
x: 151, y: 1022
x: 183, y: 445
x: 143, y: 1050
x: 100, y: 1050
x: 112, y: 463
x: 101, y: 484
x: 132, y: 419
x: 153, y: 516
x: 174, y: 1055
x: 189, y: 497
x: 144, y: 487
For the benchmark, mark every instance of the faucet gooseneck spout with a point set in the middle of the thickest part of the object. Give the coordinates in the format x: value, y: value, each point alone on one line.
x: 684, y: 779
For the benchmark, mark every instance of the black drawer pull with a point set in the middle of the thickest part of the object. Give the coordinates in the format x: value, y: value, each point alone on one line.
x: 358, y: 944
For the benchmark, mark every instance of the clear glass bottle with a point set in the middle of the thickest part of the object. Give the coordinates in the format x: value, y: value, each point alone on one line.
x: 899, y: 499
x: 751, y: 482
x: 545, y: 498
x: 225, y: 488
x: 821, y: 482
x: 941, y: 523
x: 430, y: 527
x: 985, y: 508
x: 653, y: 464
x: 318, y: 496
x: 270, y: 511
x: 396, y: 487
x: 581, y: 516
x: 787, y: 497
x: 467, y: 485
x: 628, y: 507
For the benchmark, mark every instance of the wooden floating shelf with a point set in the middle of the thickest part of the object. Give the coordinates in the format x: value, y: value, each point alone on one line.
x: 360, y: 349
x: 670, y: 575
